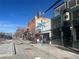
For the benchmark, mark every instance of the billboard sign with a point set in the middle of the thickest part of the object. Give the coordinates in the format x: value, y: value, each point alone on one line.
x: 43, y: 24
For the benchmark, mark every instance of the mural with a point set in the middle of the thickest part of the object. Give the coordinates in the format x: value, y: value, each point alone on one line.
x: 43, y: 24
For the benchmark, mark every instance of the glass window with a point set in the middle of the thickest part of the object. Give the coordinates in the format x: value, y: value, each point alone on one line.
x: 77, y: 1
x: 57, y: 11
x: 72, y: 3
x: 62, y: 8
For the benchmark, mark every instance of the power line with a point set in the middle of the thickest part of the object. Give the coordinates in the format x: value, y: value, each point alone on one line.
x: 52, y: 6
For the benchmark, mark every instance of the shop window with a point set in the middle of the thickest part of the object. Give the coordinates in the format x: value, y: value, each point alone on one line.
x: 77, y: 1
x: 62, y: 8
x: 72, y: 3
x: 57, y: 12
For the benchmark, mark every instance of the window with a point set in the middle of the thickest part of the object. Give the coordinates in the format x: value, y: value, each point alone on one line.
x: 57, y: 11
x: 72, y: 3
x: 62, y: 8
x: 77, y: 1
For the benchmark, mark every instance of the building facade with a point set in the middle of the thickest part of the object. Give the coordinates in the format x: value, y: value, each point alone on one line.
x: 32, y: 25
x: 73, y: 17
x: 56, y: 30
x: 43, y: 25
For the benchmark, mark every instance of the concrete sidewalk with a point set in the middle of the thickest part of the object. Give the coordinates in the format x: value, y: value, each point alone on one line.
x: 6, y: 49
x: 60, y: 54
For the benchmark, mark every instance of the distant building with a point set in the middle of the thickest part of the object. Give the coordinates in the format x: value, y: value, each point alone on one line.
x: 19, y: 32
x: 43, y: 25
x: 31, y: 25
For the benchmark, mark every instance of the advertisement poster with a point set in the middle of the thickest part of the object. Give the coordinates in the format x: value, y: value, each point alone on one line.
x: 43, y: 24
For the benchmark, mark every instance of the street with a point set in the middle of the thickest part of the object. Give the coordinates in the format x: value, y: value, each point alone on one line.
x: 24, y: 51
x: 33, y: 52
x: 48, y: 52
x: 39, y: 29
x: 7, y: 51
x: 27, y: 50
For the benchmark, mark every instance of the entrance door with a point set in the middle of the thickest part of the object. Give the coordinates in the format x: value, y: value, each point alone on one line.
x: 76, y: 23
x: 67, y: 41
x: 76, y: 27
x: 77, y: 32
x: 46, y: 36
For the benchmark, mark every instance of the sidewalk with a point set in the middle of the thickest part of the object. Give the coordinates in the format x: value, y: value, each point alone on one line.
x: 60, y: 54
x: 6, y: 49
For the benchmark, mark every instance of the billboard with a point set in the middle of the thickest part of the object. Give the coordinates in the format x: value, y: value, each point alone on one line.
x: 43, y: 24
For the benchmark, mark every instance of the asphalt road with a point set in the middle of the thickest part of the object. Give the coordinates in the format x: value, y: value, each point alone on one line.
x: 25, y: 50
x: 32, y: 52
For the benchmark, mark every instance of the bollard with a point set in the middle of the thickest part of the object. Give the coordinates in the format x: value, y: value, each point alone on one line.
x: 14, y: 49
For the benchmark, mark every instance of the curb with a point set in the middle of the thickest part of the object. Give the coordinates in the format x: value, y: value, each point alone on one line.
x: 70, y: 49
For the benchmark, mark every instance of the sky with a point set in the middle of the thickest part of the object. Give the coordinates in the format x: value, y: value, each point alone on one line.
x: 17, y: 13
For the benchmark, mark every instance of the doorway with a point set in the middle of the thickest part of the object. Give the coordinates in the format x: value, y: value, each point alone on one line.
x: 46, y: 37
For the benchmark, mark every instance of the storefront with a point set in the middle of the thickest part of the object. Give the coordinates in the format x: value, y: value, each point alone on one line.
x: 75, y: 12
x: 73, y: 20
x: 56, y: 30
